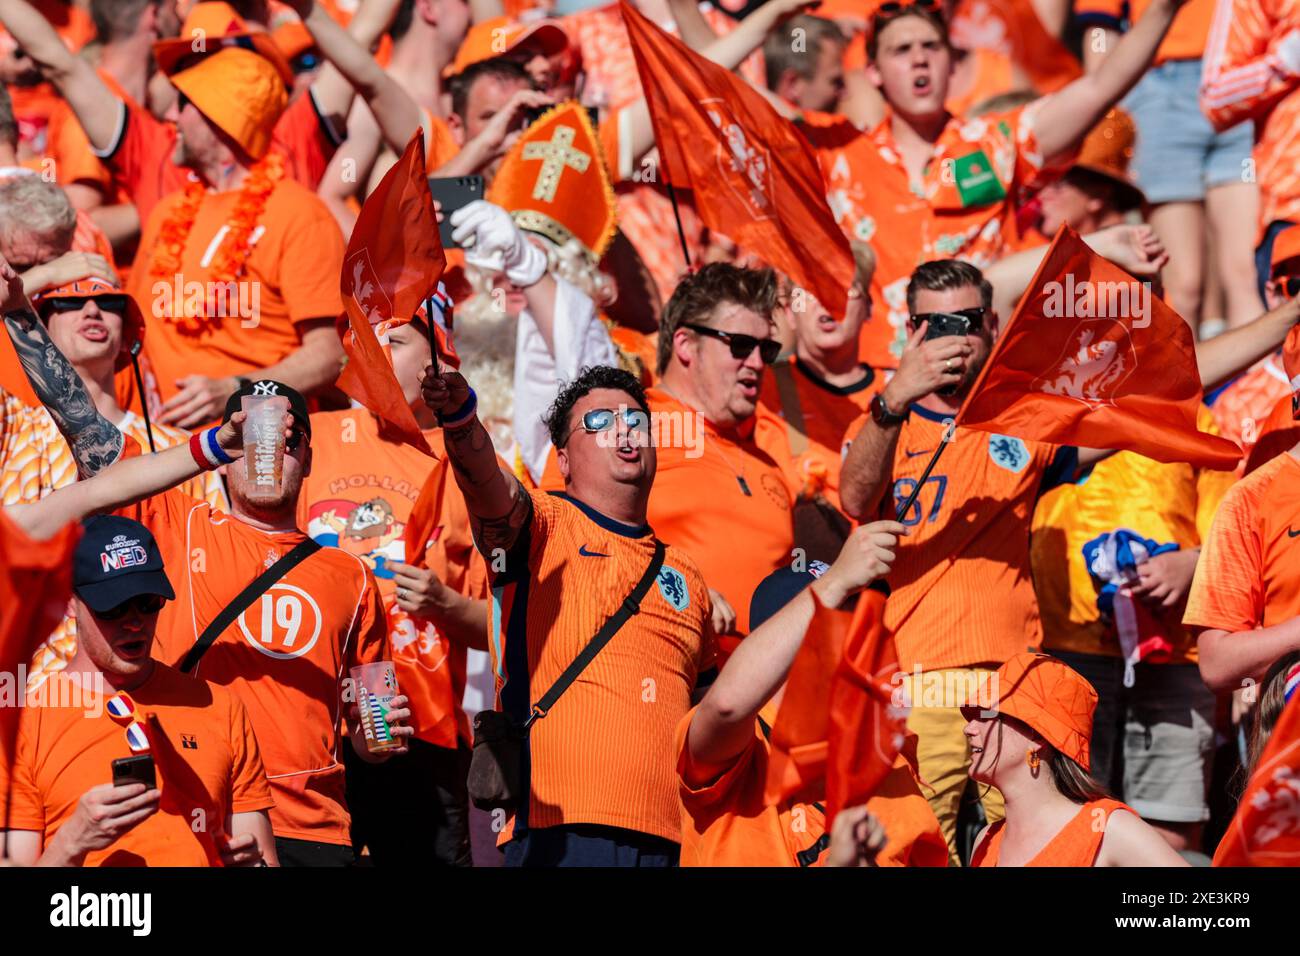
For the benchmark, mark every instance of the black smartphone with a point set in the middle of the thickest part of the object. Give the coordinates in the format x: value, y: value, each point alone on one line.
x: 137, y: 769
x: 946, y: 323
x: 452, y: 193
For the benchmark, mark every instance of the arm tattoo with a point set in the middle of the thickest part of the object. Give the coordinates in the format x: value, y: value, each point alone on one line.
x: 481, y: 481
x: 503, y: 532
x: 95, y: 441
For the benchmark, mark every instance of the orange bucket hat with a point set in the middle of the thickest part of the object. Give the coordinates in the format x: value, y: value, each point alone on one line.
x: 1052, y: 698
x: 240, y: 92
x: 1107, y: 150
x: 497, y: 36
x: 93, y: 288
x: 554, y: 182
x: 212, y: 26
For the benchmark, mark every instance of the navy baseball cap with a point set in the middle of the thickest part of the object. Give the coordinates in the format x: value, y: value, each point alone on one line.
x: 116, y: 560
x: 780, y: 588
x: 269, y: 387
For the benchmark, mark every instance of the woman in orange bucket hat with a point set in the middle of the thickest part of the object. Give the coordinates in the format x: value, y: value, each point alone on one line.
x: 1033, y: 746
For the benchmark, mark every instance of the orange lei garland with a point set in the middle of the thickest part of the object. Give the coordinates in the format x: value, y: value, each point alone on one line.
x: 235, y: 247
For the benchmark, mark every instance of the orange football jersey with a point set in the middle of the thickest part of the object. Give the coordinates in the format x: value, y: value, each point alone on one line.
x: 285, y: 656
x: 603, y: 754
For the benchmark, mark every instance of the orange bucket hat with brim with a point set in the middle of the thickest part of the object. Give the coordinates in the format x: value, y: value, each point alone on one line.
x: 1052, y: 698
x: 1107, y: 150
x: 93, y: 288
x: 240, y: 92
x: 213, y: 26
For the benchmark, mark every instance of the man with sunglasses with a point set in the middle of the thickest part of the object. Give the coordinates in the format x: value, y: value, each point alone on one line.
x: 64, y: 811
x: 597, y: 770
x: 717, y: 495
x: 962, y: 601
x: 288, y: 654
x: 933, y: 185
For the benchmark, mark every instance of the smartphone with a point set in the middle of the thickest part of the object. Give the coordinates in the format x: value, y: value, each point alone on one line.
x: 946, y: 323
x: 452, y: 193
x: 137, y: 769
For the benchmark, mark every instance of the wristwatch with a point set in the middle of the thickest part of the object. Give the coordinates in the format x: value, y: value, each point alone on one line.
x: 881, y: 414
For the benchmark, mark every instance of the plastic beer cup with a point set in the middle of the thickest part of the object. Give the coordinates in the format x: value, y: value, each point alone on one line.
x: 376, y: 686
x: 264, y: 443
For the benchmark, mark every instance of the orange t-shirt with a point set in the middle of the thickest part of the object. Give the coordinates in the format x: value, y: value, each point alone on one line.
x: 726, y: 822
x: 1242, y: 77
x: 63, y: 751
x: 603, y: 754
x: 962, y: 593
x: 440, y: 147
x: 140, y: 156
x: 1248, y: 576
x: 698, y: 502
x: 1185, y: 39
x: 827, y: 411
x: 1077, y: 844
x: 290, y: 276
x: 1245, y: 404
x: 74, y: 158
x: 32, y: 105
x: 965, y: 208
x: 359, y: 497
x: 285, y: 657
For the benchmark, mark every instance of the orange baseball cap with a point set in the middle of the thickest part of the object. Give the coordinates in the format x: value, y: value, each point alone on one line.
x: 95, y: 288
x: 212, y: 26
x: 497, y: 36
x: 1107, y: 150
x: 1286, y: 247
x: 240, y: 92
x: 293, y: 38
x: 553, y: 181
x: 1052, y: 698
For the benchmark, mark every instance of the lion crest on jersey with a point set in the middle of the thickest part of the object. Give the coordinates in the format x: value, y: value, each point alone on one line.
x: 745, y: 167
x: 1097, y: 361
x: 1009, y: 453
x: 672, y: 585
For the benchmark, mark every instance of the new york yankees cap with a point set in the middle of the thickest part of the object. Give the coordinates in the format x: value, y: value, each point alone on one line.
x: 269, y: 387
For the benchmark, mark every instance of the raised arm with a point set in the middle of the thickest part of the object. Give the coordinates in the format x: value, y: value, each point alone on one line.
x: 498, y: 505
x: 1067, y: 115
x: 1237, y: 349
x: 95, y: 441
x: 724, y: 723
x: 95, y: 105
x: 692, y: 26
x: 1249, y: 64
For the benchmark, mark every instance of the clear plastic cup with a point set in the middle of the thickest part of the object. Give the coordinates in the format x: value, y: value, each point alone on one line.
x: 264, y: 443
x: 376, y: 686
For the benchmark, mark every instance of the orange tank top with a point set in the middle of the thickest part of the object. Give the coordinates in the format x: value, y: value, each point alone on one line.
x: 1076, y: 845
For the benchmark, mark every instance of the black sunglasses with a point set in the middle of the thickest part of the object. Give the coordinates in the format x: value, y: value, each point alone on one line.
x: 742, y: 346
x: 145, y: 604
x: 296, y: 437
x: 75, y: 303
x: 974, y: 318
x: 887, y: 11
x: 1287, y: 285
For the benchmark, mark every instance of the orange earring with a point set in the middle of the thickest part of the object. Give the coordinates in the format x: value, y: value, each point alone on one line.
x: 1032, y: 757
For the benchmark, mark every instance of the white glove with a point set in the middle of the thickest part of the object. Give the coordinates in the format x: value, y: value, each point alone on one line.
x: 494, y: 244
x: 1288, y: 51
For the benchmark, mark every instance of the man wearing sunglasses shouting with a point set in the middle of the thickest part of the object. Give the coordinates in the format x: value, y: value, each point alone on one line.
x: 64, y: 811
x: 596, y: 785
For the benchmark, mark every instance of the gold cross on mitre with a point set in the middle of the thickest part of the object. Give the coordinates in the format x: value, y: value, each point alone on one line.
x: 555, y: 156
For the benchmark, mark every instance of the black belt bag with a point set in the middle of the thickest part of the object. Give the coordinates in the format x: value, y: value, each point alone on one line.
x: 496, y: 768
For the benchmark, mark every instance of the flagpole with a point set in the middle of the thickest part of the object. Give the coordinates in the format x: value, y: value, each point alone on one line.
x: 681, y: 233
x: 433, y: 339
x: 911, y: 499
x: 144, y: 399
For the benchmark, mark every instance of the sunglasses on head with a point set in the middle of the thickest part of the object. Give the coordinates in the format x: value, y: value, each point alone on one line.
x: 742, y: 346
x: 603, y: 419
x: 121, y: 708
x: 145, y: 604
x: 75, y: 303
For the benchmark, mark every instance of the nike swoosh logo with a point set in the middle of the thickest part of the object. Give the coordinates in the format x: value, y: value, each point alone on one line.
x: 591, y: 554
x: 1292, y: 534
x: 914, y: 454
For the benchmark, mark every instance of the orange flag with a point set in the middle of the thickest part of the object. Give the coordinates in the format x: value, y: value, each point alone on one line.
x: 754, y: 178
x: 391, y: 268
x: 1266, y: 828
x: 1091, y: 358
x: 867, y: 723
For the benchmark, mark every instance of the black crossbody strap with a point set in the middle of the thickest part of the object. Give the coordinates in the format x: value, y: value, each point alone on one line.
x: 631, y: 604
x: 288, y: 561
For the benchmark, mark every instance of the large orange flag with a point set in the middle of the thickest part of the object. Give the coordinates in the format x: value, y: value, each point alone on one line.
x: 867, y: 723
x: 1266, y: 828
x: 391, y: 269
x: 754, y: 178
x: 1091, y: 358
x: 184, y: 794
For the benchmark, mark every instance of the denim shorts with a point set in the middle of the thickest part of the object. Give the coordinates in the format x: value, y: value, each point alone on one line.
x: 1178, y: 155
